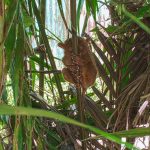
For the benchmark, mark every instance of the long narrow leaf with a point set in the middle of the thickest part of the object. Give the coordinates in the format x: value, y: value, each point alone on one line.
x: 9, y: 110
x: 136, y: 20
x: 80, y: 5
x: 12, y: 9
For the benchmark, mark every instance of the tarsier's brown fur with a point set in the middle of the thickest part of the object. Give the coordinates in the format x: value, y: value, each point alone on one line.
x: 82, y: 61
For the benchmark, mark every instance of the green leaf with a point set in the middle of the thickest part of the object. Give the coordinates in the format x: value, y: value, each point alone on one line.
x: 92, y: 6
x: 17, y: 138
x: 29, y: 127
x: 17, y: 67
x: 10, y: 45
x: 145, y: 10
x: 136, y: 20
x: 67, y: 103
x: 37, y: 60
x: 54, y: 36
x: 138, y: 132
x: 61, y: 78
x: 32, y: 63
x: 111, y: 29
x: 27, y: 20
x: 1, y: 146
x: 132, y: 133
x: 11, y: 12
x: 9, y: 110
x: 79, y: 8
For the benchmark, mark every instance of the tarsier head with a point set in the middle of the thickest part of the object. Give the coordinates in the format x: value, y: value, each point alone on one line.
x: 67, y: 45
x: 83, y: 45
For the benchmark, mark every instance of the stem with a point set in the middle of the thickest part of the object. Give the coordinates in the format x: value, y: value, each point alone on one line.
x: 41, y: 75
x: 1, y: 46
x: 80, y: 97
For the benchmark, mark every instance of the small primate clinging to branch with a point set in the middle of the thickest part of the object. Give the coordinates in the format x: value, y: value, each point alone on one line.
x: 81, y: 63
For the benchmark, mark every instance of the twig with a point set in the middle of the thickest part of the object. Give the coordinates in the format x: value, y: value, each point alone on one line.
x: 45, y: 72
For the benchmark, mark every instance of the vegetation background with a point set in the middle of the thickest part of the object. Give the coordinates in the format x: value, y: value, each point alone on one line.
x: 37, y: 103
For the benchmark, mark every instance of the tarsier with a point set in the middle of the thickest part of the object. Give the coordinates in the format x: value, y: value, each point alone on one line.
x: 79, y: 69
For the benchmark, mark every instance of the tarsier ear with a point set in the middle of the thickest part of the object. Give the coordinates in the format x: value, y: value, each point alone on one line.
x: 62, y: 45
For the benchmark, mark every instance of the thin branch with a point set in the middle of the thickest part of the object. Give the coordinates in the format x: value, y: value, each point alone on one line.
x: 44, y: 72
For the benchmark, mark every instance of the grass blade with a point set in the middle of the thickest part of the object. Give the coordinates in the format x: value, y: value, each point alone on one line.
x: 9, y: 110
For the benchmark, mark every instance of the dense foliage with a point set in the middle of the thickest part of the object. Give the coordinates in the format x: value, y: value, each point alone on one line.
x: 35, y: 98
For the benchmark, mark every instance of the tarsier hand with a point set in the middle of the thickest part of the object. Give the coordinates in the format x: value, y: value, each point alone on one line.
x: 79, y: 69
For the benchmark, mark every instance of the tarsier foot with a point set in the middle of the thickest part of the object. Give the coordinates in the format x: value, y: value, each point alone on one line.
x: 68, y: 75
x: 71, y: 78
